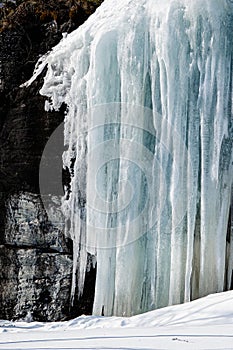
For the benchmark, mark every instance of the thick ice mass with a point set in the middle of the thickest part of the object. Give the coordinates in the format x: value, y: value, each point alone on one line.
x: 148, y: 85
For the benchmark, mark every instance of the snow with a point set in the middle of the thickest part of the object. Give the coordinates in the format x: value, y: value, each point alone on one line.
x: 148, y: 85
x: 206, y: 323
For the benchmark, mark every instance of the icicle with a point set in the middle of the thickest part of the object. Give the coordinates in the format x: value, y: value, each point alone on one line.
x: 148, y: 86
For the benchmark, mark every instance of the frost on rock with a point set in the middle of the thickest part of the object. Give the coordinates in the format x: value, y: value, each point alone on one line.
x: 148, y: 85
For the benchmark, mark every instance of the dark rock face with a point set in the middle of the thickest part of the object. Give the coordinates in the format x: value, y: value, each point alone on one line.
x: 27, y: 225
x: 34, y: 283
x: 35, y: 256
x: 35, y: 262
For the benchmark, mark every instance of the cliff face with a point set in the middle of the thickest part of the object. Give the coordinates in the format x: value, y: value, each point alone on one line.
x: 35, y: 256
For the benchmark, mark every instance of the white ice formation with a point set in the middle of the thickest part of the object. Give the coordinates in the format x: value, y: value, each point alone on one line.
x: 148, y: 85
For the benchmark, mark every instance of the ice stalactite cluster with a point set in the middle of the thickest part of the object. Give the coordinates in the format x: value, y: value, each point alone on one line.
x: 148, y: 85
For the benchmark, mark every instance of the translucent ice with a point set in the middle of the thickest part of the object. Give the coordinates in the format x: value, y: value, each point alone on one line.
x: 148, y: 85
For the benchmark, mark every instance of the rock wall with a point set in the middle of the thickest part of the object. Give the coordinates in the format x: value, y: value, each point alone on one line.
x: 35, y: 256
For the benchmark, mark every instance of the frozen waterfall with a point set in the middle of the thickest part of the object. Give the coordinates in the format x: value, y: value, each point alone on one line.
x: 148, y: 130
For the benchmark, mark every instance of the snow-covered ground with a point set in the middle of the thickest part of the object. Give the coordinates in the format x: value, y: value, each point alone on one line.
x: 206, y: 323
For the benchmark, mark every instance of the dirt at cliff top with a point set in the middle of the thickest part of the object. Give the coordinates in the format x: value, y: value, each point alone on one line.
x: 27, y: 13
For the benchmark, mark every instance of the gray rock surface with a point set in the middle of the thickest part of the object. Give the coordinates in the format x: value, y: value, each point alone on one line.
x: 35, y: 262
x: 34, y: 284
x: 27, y: 224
